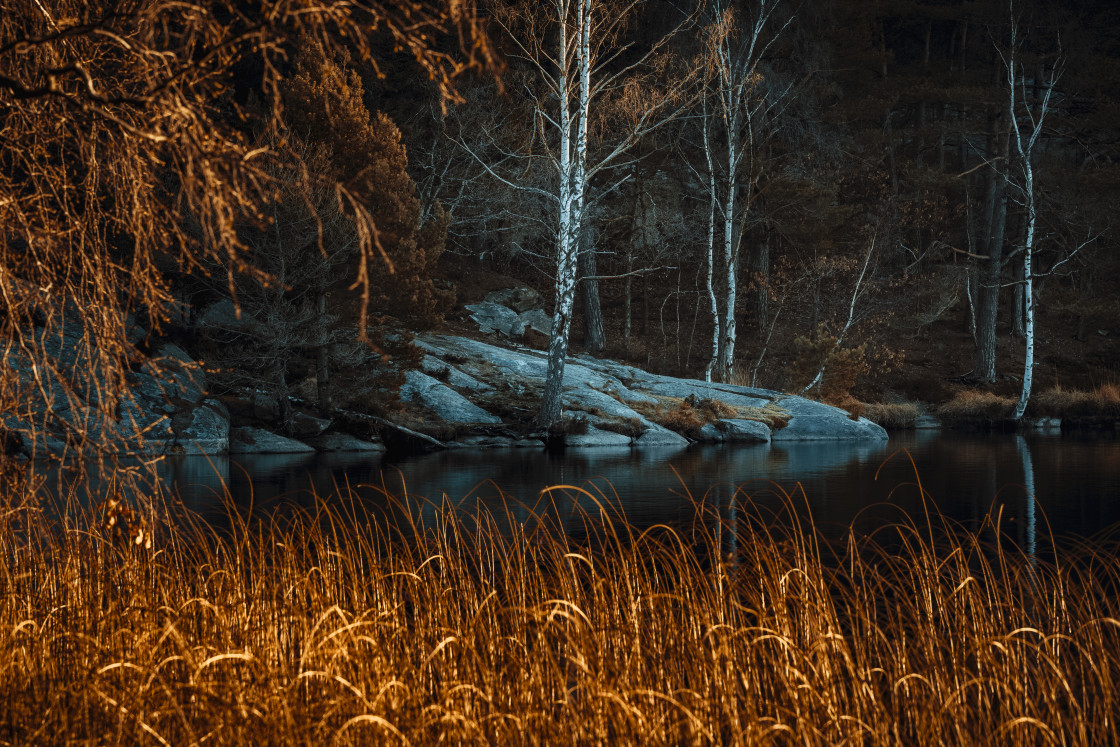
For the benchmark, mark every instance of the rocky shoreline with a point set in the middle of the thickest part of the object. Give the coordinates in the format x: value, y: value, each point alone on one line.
x: 466, y: 394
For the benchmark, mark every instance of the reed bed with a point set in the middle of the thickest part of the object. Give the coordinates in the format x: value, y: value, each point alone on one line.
x: 336, y: 625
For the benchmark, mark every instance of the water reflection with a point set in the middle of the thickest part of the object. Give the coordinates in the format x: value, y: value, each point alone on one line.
x: 1075, y: 481
x: 1028, y: 487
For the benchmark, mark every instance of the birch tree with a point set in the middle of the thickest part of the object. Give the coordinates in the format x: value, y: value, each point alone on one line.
x: 737, y: 104
x: 582, y: 72
x: 1025, y: 135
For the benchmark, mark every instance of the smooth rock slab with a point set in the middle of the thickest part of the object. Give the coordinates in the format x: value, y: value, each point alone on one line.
x: 481, y: 442
x: 736, y: 430
x: 445, y: 401
x: 658, y: 436
x: 338, y: 442
x: 439, y: 369
x: 595, y: 437
x: 260, y: 441
x: 813, y: 421
x: 684, y: 388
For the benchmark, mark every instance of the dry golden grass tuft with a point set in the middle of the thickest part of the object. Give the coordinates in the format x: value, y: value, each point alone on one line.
x: 688, y: 415
x: 334, y: 626
x: 1104, y: 401
x: 972, y: 406
x: 892, y: 415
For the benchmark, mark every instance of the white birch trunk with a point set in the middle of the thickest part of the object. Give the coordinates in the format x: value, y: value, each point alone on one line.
x: 1025, y: 150
x: 713, y: 302
x: 1028, y: 281
x: 726, y: 366
x: 573, y: 177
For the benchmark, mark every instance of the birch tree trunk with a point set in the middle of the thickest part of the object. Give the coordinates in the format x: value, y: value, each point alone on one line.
x: 743, y: 113
x: 713, y: 302
x: 573, y: 154
x: 1036, y: 116
x: 571, y: 47
x: 726, y: 366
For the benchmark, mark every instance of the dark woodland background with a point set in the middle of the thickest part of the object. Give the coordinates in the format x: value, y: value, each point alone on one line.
x: 879, y: 216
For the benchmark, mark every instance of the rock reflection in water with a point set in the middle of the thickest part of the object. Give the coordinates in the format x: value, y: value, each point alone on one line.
x: 1076, y: 481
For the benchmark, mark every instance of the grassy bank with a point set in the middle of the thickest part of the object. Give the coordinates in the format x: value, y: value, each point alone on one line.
x: 326, y: 629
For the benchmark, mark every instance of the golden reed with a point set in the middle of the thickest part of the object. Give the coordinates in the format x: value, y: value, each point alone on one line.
x: 340, y: 624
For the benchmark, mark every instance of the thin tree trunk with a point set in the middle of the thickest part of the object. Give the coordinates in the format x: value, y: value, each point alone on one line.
x: 891, y: 165
x: 628, y: 301
x: 713, y: 302
x: 760, y: 276
x: 594, y: 337
x: 1037, y: 116
x: 984, y: 363
x: 283, y: 400
x: 323, y: 368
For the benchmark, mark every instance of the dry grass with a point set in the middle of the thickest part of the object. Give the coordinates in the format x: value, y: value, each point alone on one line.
x: 631, y: 427
x: 688, y: 415
x: 1104, y: 401
x: 972, y: 407
x: 892, y: 415
x: 333, y: 628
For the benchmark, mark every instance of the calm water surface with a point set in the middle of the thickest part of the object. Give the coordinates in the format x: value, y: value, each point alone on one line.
x: 1068, y: 483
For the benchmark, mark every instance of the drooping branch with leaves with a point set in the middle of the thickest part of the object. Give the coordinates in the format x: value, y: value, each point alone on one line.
x: 128, y: 149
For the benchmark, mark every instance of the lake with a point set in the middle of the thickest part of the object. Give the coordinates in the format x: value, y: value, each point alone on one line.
x: 1074, y: 480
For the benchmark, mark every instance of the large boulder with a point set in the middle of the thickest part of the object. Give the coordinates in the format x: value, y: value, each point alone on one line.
x: 172, y: 373
x: 207, y: 432
x: 814, y: 421
x: 518, y: 299
x: 308, y: 426
x: 496, y: 317
x: 492, y: 317
x: 537, y: 320
x: 736, y: 430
